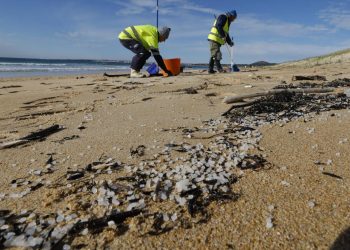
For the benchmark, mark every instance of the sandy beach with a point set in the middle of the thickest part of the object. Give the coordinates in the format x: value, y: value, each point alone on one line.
x: 297, y: 197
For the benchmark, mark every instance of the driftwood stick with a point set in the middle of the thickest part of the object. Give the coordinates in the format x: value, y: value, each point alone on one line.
x: 12, y: 143
x: 239, y: 106
x: 32, y: 137
x: 239, y: 98
x: 115, y: 75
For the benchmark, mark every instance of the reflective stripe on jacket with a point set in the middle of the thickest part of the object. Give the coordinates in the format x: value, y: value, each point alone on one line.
x: 214, y: 33
x: 147, y: 35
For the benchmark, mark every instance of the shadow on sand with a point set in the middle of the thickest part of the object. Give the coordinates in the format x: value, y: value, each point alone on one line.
x: 343, y: 241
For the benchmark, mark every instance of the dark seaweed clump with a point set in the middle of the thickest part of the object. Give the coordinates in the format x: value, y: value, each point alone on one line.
x: 290, y: 105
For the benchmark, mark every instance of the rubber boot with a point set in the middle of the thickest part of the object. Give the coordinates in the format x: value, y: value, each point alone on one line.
x: 219, y: 67
x: 211, y: 66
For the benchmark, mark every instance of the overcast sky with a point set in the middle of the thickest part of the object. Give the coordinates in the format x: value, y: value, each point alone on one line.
x: 270, y: 30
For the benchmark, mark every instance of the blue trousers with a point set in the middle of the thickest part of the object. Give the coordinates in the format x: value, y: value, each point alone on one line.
x: 141, y: 54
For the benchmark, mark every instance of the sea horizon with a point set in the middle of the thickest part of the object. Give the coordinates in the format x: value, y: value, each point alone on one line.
x: 28, y: 67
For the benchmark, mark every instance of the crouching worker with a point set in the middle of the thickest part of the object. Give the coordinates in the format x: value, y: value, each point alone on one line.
x: 143, y: 40
x: 218, y: 36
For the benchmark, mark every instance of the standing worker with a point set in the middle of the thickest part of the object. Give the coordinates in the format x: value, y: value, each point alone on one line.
x: 218, y: 36
x: 143, y: 40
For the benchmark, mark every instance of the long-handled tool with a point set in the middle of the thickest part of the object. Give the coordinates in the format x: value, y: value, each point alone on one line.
x: 234, y: 67
x: 157, y: 9
x: 231, y: 57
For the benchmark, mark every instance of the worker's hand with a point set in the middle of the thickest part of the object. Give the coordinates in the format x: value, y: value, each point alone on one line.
x: 231, y: 44
x: 167, y: 73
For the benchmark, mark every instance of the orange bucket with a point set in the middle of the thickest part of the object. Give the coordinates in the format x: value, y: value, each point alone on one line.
x: 173, y: 65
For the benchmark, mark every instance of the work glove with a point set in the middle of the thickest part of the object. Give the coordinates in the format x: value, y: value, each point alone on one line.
x: 167, y: 73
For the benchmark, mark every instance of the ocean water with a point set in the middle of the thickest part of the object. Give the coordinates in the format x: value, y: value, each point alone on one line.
x: 24, y: 67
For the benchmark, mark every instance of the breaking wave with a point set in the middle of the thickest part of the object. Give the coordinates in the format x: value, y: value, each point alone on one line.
x: 46, y: 66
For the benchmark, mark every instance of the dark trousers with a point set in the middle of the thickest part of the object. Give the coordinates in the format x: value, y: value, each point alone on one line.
x: 139, y: 60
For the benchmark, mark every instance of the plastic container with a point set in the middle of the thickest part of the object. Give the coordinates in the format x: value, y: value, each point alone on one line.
x: 153, y: 69
x: 173, y: 65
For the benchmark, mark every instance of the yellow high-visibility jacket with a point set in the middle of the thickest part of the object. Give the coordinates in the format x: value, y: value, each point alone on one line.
x: 147, y: 35
x: 214, y: 33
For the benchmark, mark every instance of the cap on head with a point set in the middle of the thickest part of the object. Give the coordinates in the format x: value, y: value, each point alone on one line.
x: 232, y: 13
x: 164, y: 32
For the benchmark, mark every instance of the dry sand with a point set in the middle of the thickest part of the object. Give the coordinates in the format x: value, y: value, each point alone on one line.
x: 309, y: 210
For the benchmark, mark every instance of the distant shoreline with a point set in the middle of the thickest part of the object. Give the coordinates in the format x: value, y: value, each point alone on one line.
x: 29, y: 67
x: 54, y: 74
